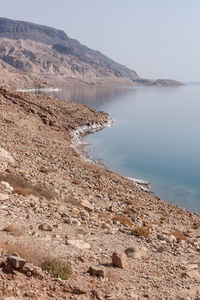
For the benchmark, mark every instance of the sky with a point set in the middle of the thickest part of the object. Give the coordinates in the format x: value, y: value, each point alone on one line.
x: 156, y: 38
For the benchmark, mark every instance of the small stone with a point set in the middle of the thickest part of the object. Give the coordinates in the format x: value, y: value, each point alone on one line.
x: 105, y: 226
x: 79, y: 244
x: 45, y: 227
x: 119, y: 259
x: 97, y: 271
x: 87, y: 205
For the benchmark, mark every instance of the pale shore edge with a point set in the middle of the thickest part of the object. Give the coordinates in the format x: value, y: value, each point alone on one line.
x: 47, y: 89
x: 78, y: 144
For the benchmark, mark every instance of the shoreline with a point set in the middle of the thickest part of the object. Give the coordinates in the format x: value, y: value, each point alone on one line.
x: 94, y: 213
x: 33, y: 90
x: 78, y: 145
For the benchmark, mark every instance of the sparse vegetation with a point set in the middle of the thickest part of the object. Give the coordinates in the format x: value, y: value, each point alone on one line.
x: 196, y: 226
x: 140, y: 231
x: 13, y: 230
x: 24, y: 187
x: 28, y: 252
x: 76, y: 181
x: 127, y: 211
x: 57, y: 268
x: 178, y: 235
x: 33, y: 254
x: 122, y: 219
x: 47, y: 170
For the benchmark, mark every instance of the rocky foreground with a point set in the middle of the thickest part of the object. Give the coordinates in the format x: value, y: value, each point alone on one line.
x: 61, y: 216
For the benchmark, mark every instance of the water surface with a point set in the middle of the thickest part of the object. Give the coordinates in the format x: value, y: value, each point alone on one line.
x: 155, y: 137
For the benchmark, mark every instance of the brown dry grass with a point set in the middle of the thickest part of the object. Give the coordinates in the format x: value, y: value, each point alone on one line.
x: 123, y: 220
x: 13, y: 230
x: 140, y: 231
x: 27, y: 252
x: 196, y: 226
x: 54, y: 266
x: 178, y: 235
x: 76, y: 181
x: 127, y: 211
x: 24, y: 187
x: 103, y: 215
x: 47, y: 170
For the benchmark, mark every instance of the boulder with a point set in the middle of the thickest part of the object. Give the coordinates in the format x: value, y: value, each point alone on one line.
x: 16, y: 262
x: 135, y: 252
x: 45, y: 227
x: 97, y: 271
x: 119, y: 260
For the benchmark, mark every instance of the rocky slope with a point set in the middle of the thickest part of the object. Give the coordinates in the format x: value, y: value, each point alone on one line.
x: 48, y: 53
x: 121, y: 242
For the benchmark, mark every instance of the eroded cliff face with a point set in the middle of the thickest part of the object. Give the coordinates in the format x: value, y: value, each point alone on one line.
x: 47, y: 51
x: 48, y: 55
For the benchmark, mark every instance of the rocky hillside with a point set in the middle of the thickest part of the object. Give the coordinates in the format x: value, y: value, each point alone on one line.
x: 62, y: 217
x: 48, y: 53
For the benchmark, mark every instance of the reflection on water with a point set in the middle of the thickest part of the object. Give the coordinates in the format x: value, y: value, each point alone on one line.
x: 94, y: 96
x: 155, y: 136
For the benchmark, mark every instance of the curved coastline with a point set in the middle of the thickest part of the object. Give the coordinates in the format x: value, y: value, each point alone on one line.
x: 78, y: 145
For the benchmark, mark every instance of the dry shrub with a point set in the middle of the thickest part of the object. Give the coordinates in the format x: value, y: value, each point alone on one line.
x: 196, y: 226
x: 27, y: 252
x: 24, y: 187
x: 122, y: 219
x: 76, y: 181
x: 47, y: 170
x: 57, y: 268
x: 54, y: 266
x: 103, y: 215
x: 140, y: 231
x: 13, y: 230
x: 22, y: 191
x: 178, y: 235
x: 162, y: 219
x: 128, y: 202
x: 127, y: 211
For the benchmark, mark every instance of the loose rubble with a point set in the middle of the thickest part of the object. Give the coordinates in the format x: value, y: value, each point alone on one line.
x: 121, y: 242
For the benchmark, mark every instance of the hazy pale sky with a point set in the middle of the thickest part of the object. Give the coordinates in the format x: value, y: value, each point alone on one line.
x: 156, y: 38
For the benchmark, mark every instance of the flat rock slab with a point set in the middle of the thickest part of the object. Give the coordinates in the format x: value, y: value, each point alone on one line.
x: 5, y: 158
x: 4, y: 197
x: 79, y: 244
x: 193, y: 275
x: 87, y: 205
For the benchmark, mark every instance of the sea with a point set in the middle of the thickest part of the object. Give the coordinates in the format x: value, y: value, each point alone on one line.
x: 155, y: 137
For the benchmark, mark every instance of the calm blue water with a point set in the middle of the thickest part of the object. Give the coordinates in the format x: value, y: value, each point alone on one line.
x: 155, y: 137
